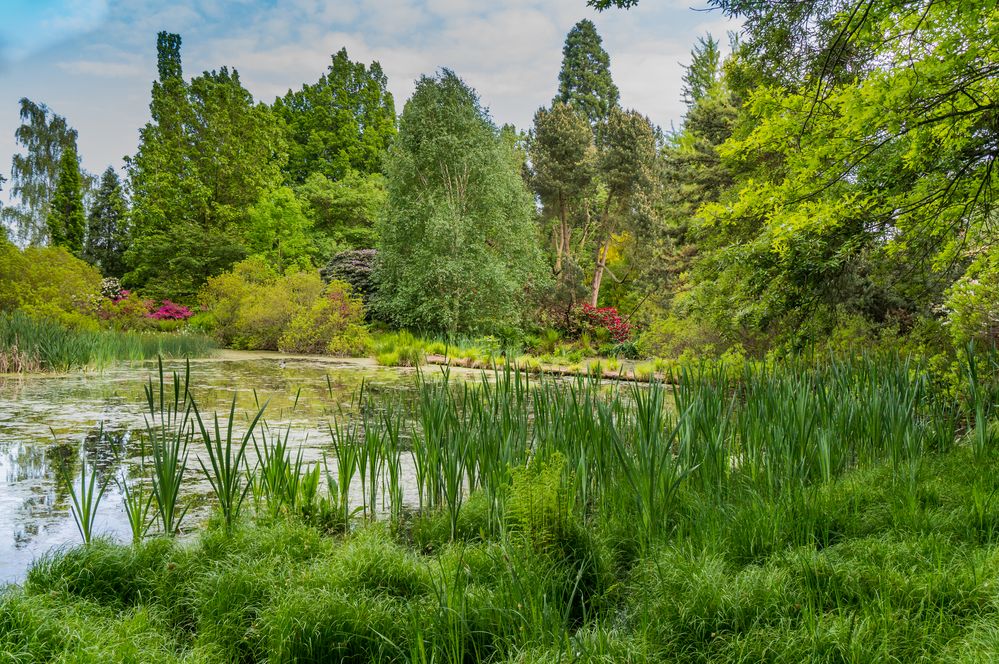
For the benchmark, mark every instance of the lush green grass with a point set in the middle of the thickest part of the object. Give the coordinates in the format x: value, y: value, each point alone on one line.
x: 839, y: 512
x: 879, y: 578
x: 29, y: 344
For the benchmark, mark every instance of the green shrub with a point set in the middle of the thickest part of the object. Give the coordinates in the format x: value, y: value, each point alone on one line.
x: 49, y: 282
x: 671, y: 336
x: 252, y: 306
x: 333, y: 325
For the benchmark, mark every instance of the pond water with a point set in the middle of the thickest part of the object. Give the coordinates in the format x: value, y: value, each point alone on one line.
x: 50, y: 418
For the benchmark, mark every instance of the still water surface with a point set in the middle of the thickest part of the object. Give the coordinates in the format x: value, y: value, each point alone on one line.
x: 47, y: 419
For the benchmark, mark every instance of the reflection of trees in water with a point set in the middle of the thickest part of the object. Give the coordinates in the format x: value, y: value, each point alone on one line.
x: 109, y: 451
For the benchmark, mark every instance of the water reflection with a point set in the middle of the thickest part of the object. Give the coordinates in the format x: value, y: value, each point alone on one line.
x: 47, y: 422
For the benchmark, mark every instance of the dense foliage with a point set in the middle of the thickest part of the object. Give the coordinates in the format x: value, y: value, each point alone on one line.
x: 254, y: 306
x: 831, y: 183
x: 458, y: 248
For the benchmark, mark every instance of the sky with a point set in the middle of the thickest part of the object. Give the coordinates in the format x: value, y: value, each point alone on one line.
x: 93, y: 61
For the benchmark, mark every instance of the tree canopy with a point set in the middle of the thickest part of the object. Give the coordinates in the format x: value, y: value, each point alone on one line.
x: 44, y: 135
x: 458, y: 247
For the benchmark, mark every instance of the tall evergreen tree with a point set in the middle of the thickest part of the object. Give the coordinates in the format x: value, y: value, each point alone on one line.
x: 342, y: 123
x: 205, y: 158
x: 107, y: 227
x: 584, y: 81
x: 43, y: 135
x: 703, y: 72
x: 66, y: 220
x: 563, y: 162
x: 458, y: 244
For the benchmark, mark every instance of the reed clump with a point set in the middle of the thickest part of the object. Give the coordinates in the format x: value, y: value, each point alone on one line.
x: 30, y: 344
x: 834, y: 510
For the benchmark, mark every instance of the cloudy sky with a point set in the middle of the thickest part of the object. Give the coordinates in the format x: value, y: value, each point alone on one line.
x: 93, y: 61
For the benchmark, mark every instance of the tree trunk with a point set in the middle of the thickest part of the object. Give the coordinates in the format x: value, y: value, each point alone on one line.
x: 598, y: 271
x: 562, y: 243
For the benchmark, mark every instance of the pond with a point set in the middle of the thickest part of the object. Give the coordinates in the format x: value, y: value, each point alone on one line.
x: 48, y: 419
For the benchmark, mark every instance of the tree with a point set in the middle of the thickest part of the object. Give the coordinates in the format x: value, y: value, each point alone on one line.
x: 563, y: 160
x: 585, y: 80
x: 458, y: 247
x: 67, y: 221
x: 627, y: 155
x: 702, y: 73
x: 872, y: 167
x: 43, y: 135
x: 278, y: 229
x: 341, y: 124
x: 107, y: 227
x: 3, y: 227
x: 204, y: 160
x: 691, y: 173
x: 342, y: 212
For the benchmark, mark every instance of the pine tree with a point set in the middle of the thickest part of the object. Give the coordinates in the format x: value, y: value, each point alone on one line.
x: 585, y: 80
x: 66, y: 219
x: 107, y: 227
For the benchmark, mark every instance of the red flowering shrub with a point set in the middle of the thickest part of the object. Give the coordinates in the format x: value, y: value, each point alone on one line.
x: 170, y: 311
x: 608, y: 319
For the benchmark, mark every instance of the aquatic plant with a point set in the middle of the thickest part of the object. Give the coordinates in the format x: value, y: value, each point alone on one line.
x: 227, y: 461
x: 86, y: 497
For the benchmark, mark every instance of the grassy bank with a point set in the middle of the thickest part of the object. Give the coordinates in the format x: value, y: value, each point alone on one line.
x: 28, y: 344
x: 841, y: 512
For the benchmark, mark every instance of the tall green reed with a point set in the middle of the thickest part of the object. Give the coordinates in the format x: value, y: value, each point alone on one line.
x: 85, y: 499
x: 169, y: 431
x: 227, y: 461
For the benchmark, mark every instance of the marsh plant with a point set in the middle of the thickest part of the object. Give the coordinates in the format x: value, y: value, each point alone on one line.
x: 85, y: 496
x: 716, y: 516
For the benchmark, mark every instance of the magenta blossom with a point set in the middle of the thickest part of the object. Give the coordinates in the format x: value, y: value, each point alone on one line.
x: 171, y: 311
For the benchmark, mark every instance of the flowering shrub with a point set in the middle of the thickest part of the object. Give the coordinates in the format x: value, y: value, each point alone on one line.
x: 252, y: 306
x: 170, y: 311
x: 355, y: 267
x: 125, y: 310
x: 111, y: 289
x: 606, y: 318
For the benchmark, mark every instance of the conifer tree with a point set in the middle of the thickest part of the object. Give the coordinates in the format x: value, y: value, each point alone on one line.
x: 66, y: 219
x: 107, y: 226
x: 585, y: 80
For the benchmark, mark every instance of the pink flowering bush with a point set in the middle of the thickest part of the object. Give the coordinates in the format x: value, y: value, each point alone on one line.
x: 170, y: 311
x: 605, y: 318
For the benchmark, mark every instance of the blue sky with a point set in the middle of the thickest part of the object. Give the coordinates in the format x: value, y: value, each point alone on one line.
x: 93, y: 61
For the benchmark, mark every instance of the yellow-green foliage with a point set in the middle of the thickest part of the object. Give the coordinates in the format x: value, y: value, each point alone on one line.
x: 399, y: 349
x: 252, y: 306
x: 334, y: 325
x: 49, y: 282
x: 644, y: 371
x: 671, y: 336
